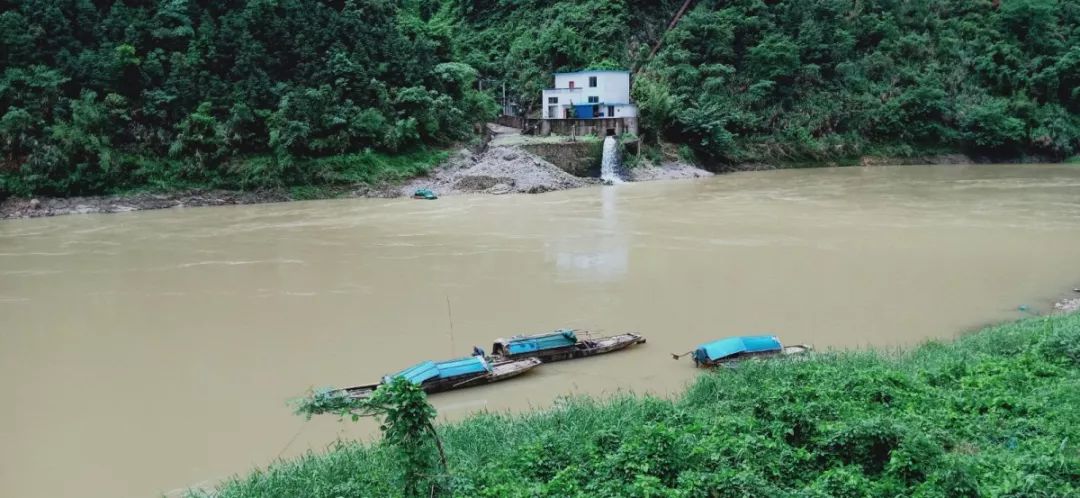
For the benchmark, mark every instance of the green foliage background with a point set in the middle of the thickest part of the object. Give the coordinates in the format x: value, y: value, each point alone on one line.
x: 106, y: 96
x: 103, y: 96
x: 810, y: 80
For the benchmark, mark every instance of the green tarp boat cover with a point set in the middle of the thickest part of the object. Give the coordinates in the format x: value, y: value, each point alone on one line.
x: 718, y: 350
x: 425, y: 193
x: 422, y: 372
x: 563, y: 338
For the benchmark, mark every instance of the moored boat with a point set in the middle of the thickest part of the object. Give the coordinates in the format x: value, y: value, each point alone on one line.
x: 434, y: 377
x: 562, y: 344
x: 425, y: 193
x: 733, y: 349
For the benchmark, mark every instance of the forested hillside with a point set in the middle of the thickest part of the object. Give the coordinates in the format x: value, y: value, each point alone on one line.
x: 750, y: 80
x: 105, y: 96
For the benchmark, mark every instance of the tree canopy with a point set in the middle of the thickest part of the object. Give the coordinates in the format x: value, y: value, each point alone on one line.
x: 100, y: 96
x: 748, y: 80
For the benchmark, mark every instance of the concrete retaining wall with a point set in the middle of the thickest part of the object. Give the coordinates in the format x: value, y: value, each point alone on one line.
x: 512, y: 121
x: 578, y: 159
x: 578, y: 127
x: 571, y: 127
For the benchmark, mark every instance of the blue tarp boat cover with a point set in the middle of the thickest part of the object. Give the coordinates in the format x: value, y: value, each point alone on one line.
x: 563, y: 338
x: 422, y: 372
x: 462, y: 366
x: 718, y: 350
x: 418, y: 373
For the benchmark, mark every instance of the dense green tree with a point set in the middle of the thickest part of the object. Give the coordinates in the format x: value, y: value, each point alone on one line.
x: 809, y: 80
x: 93, y: 93
x: 194, y: 90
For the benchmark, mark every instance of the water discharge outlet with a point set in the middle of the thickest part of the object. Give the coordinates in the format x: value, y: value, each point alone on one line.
x: 610, y: 163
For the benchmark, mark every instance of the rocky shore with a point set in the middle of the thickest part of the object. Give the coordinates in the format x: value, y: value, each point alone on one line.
x: 33, y: 208
x: 1068, y: 304
x: 496, y: 170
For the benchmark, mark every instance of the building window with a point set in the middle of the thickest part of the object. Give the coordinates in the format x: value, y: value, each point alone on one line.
x: 571, y: 84
x: 610, y: 111
x: 553, y: 100
x: 592, y: 81
x: 594, y: 100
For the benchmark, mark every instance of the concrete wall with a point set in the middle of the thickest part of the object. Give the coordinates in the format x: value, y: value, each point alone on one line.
x: 511, y: 121
x: 612, y: 87
x: 578, y: 127
x: 612, y: 90
x: 624, y: 111
x: 579, y: 159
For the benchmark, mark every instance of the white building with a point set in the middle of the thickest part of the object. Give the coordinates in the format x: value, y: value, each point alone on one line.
x: 589, y: 95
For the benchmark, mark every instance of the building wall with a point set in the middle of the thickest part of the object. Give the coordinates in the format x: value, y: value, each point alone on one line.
x: 625, y: 111
x: 612, y: 90
x: 612, y: 87
x: 565, y: 97
x: 576, y: 127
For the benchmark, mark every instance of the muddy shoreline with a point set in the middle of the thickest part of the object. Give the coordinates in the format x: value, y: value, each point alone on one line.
x: 1069, y: 303
x: 497, y: 169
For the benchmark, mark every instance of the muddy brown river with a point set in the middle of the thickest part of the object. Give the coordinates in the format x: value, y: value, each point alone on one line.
x: 145, y: 353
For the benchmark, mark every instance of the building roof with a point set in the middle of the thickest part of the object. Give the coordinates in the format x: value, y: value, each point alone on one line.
x: 596, y: 71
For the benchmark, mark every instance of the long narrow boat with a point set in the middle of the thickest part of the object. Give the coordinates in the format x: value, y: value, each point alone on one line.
x: 734, y: 349
x: 560, y: 345
x: 434, y: 377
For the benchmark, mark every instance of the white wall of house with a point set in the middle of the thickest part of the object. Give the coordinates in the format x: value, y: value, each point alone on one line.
x: 625, y: 111
x: 608, y: 89
x: 612, y: 87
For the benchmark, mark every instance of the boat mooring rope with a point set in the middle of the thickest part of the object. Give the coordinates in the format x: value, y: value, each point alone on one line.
x: 291, y: 441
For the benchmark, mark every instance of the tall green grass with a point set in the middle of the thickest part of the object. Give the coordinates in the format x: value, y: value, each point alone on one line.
x: 995, y: 413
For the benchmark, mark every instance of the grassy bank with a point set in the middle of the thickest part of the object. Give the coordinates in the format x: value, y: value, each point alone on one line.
x: 995, y: 413
x: 137, y: 174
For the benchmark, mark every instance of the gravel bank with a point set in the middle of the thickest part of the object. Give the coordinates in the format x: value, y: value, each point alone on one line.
x: 34, y: 208
x: 666, y: 171
x: 498, y: 170
x: 1067, y: 305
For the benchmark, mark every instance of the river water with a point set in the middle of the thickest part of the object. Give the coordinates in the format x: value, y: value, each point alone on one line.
x: 146, y: 352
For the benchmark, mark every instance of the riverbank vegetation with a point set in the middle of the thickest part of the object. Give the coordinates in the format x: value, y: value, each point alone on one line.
x: 995, y: 413
x: 103, y: 97
x: 747, y: 80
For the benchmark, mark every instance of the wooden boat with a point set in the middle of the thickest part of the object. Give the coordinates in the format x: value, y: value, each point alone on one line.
x: 434, y: 377
x: 561, y: 345
x: 734, y: 349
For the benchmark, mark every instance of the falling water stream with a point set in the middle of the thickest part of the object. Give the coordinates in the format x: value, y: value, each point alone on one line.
x: 610, y: 163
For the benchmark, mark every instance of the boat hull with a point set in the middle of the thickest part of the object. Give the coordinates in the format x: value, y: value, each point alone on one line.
x: 787, y: 351
x: 583, y: 348
x: 501, y: 369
